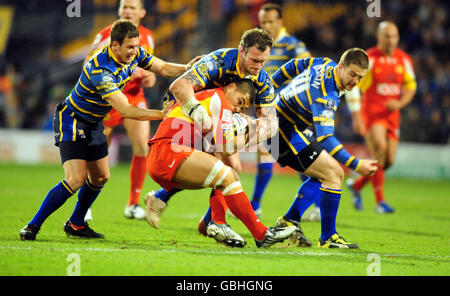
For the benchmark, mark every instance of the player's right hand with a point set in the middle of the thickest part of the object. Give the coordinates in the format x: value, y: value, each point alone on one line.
x: 367, y: 167
x: 200, y: 117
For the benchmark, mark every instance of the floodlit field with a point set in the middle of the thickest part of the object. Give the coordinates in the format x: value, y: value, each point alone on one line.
x: 413, y: 241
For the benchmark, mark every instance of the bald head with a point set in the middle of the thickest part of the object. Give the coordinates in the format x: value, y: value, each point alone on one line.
x: 387, y: 37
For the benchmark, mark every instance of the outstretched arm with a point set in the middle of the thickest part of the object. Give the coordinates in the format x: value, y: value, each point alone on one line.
x: 120, y: 102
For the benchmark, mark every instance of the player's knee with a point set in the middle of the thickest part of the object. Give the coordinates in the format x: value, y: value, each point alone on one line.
x: 230, y: 178
x: 100, y: 180
x: 75, y: 181
x: 231, y: 184
x: 221, y: 176
x: 140, y: 150
x: 380, y: 145
x: 388, y: 162
x: 335, y: 174
x: 237, y: 167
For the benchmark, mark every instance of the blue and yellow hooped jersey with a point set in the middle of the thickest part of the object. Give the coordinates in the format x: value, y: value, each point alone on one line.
x: 221, y: 67
x: 285, y: 47
x: 311, y: 98
x: 101, y: 77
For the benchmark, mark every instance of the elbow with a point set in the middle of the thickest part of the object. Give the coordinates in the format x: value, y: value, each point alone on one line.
x: 174, y: 86
x: 177, y: 86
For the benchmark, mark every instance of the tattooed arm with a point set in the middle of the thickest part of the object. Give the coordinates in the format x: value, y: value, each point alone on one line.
x: 183, y: 89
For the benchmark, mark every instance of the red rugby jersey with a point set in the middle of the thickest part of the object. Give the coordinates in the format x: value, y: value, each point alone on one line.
x: 385, y: 79
x: 182, y: 131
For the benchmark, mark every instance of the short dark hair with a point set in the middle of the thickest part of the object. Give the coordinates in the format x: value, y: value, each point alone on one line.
x: 121, y: 29
x: 257, y: 37
x: 355, y: 56
x: 246, y: 86
x: 272, y: 6
x: 141, y: 2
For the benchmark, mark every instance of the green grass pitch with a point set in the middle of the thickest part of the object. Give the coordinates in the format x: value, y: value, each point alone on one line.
x: 413, y: 241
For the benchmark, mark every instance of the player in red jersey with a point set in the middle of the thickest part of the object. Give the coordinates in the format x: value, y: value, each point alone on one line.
x: 178, y: 158
x: 138, y: 131
x: 387, y: 88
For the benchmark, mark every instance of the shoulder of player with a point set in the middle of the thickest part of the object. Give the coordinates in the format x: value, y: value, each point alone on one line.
x: 220, y: 58
x: 105, y: 32
x: 263, y: 79
x: 402, y: 54
x: 144, y: 30
x: 100, y: 65
x: 227, y: 54
x: 373, y: 52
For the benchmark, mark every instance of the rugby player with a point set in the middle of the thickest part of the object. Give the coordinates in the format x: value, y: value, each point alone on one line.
x: 78, y: 125
x: 388, y: 87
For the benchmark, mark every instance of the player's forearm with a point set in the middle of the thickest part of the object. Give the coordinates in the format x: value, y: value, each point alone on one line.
x: 120, y: 102
x: 268, y: 115
x: 137, y: 113
x: 406, y: 97
x: 173, y: 69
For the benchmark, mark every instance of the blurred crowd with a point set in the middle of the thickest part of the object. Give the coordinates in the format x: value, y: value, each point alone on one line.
x: 27, y: 98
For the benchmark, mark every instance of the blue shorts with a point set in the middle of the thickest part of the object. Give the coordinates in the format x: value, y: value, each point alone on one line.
x: 78, y: 138
x: 297, y: 149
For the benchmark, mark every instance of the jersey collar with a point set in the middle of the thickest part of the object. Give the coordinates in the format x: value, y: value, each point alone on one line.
x: 111, y: 54
x: 336, y: 80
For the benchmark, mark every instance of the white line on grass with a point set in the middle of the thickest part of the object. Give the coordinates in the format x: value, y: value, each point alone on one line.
x: 231, y: 252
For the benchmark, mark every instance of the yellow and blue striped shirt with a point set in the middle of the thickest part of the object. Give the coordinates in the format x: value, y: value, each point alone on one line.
x: 221, y: 67
x: 311, y: 98
x: 285, y: 47
x: 101, y: 77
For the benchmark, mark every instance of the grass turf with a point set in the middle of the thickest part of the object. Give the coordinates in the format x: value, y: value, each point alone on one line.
x: 412, y: 241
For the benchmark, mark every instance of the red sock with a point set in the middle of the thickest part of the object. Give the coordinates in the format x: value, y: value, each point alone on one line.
x: 218, y: 206
x: 360, y: 182
x: 240, y: 206
x: 138, y: 171
x: 378, y: 183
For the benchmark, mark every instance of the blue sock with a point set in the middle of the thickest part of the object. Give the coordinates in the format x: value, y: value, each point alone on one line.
x: 55, y: 198
x: 263, y: 176
x: 164, y: 195
x: 207, y: 216
x: 317, y: 197
x: 306, y: 195
x: 86, y: 197
x: 303, y: 177
x: 329, y: 205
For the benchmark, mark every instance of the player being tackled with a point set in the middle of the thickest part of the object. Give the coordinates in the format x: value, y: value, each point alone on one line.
x: 181, y: 157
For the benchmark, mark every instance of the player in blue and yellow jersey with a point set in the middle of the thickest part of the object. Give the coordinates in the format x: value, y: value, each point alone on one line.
x: 311, y: 99
x: 216, y: 69
x: 78, y: 126
x: 285, y: 47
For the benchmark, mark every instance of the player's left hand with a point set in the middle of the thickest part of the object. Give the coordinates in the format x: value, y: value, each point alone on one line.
x: 367, y: 167
x: 192, y: 62
x: 393, y: 105
x: 167, y: 107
